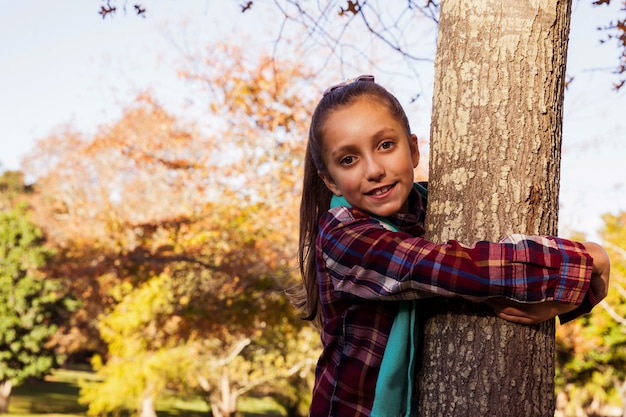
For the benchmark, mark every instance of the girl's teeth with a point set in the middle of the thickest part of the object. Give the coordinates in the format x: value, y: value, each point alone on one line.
x: 381, y: 191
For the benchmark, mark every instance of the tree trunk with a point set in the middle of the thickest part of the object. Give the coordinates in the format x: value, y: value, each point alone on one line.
x: 147, y: 402
x: 147, y: 407
x: 621, y: 387
x: 224, y: 402
x: 5, y: 393
x: 494, y: 170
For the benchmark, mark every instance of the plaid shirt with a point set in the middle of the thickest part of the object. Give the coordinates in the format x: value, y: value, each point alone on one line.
x: 363, y: 267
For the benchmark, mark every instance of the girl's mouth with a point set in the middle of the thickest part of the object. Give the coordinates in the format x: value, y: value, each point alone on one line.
x: 380, y: 191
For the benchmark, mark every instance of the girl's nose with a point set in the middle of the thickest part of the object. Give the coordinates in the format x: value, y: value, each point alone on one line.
x: 375, y: 169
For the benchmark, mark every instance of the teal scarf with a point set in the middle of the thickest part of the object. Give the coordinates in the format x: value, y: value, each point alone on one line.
x: 394, y: 387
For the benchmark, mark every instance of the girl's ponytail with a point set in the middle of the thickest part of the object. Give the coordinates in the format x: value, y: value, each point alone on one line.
x: 315, y: 201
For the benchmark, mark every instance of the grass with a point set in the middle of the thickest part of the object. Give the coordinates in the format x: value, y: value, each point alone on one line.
x: 57, y: 396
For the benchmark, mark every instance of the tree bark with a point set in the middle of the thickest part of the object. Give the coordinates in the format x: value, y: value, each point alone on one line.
x: 494, y: 170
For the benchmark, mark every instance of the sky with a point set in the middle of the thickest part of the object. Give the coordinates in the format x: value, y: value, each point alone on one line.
x: 60, y: 63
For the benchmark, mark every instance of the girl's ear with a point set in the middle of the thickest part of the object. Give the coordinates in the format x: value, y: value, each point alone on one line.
x: 415, y: 152
x: 330, y: 184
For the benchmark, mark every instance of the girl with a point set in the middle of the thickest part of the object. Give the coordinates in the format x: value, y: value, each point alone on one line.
x: 362, y: 259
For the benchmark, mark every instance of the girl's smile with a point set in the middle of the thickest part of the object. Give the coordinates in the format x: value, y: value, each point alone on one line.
x: 380, y: 191
x: 369, y: 157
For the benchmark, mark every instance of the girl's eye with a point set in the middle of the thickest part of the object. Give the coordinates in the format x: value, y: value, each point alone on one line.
x: 387, y: 144
x: 346, y: 160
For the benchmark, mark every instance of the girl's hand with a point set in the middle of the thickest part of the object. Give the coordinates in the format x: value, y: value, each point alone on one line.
x: 601, y: 270
x: 527, y: 313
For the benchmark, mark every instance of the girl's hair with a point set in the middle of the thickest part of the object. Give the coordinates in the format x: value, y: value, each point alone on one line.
x: 315, y: 195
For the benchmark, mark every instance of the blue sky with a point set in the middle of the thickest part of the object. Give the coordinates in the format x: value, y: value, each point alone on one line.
x: 60, y: 62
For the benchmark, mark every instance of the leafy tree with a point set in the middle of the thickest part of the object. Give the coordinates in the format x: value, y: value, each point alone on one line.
x: 208, y: 325
x: 297, y: 348
x: 12, y: 187
x: 141, y: 360
x: 591, y: 353
x: 29, y: 304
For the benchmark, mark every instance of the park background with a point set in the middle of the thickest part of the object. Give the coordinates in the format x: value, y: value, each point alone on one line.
x: 65, y: 68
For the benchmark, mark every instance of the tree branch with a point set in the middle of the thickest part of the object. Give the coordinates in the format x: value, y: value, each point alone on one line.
x: 612, y: 313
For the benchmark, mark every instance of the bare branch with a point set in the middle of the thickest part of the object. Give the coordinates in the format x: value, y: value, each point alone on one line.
x: 620, y: 289
x: 235, y: 351
x: 335, y: 25
x: 386, y: 34
x: 269, y: 377
x: 615, y: 248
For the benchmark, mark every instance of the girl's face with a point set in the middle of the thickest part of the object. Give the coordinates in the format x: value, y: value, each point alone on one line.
x: 369, y: 158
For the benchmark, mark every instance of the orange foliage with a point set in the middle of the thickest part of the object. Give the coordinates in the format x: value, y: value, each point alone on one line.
x: 211, y: 204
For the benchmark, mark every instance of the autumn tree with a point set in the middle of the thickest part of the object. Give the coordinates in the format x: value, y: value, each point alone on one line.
x: 90, y: 195
x: 208, y: 324
x: 591, y: 355
x: 180, y: 237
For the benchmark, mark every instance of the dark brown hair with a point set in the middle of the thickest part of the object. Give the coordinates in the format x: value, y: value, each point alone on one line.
x: 315, y: 195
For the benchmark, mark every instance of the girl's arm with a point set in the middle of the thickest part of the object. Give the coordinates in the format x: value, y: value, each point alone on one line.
x: 365, y: 260
x: 536, y: 313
